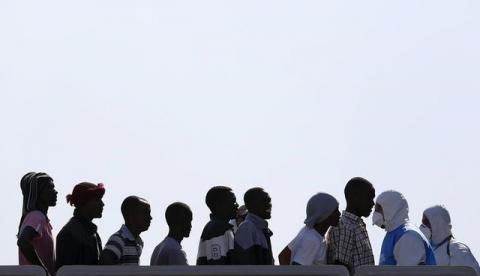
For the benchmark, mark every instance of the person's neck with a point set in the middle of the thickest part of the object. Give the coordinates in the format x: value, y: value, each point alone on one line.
x: 176, y: 236
x: 78, y: 212
x: 133, y: 230
x: 321, y: 229
x: 353, y: 210
x: 43, y: 209
x: 220, y: 217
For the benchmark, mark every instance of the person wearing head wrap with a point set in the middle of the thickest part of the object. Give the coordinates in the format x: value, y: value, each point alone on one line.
x: 309, y: 247
x: 437, y: 227
x: 78, y: 243
x: 404, y: 244
x: 35, y: 239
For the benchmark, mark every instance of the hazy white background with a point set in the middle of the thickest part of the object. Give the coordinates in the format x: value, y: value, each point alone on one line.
x: 164, y: 99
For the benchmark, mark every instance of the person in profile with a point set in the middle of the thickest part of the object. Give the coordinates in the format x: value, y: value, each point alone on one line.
x: 252, y: 239
x: 35, y: 239
x: 217, y: 239
x: 78, y: 243
x: 125, y: 246
x: 309, y: 247
x: 404, y: 244
x: 437, y: 228
x: 349, y: 243
x: 169, y: 251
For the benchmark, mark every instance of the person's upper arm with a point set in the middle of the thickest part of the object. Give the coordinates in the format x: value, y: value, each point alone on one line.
x: 410, y: 250
x: 113, y: 249
x: 66, y: 249
x: 460, y: 255
x: 108, y: 257
x: 27, y: 235
x: 244, y: 252
x: 35, y: 220
x: 285, y: 256
x: 304, y: 252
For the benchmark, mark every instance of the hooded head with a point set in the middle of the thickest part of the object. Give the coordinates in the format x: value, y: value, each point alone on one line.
x: 319, y: 208
x: 439, y: 222
x: 391, y: 210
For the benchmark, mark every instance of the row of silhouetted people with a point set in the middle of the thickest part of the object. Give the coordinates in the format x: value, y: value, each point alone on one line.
x: 236, y: 235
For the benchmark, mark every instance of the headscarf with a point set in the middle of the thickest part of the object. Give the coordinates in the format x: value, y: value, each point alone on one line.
x: 319, y: 207
x: 395, y: 209
x: 31, y: 187
x: 439, y: 219
x: 84, y: 192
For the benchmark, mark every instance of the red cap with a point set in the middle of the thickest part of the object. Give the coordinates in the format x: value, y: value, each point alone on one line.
x: 84, y: 192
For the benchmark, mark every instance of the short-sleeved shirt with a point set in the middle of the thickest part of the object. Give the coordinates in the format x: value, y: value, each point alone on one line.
x: 43, y: 242
x: 349, y: 243
x: 168, y: 252
x: 216, y: 243
x: 125, y: 246
x: 252, y: 242
x: 308, y: 248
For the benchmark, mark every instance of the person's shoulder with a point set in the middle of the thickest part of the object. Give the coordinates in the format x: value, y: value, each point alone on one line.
x: 457, y: 247
x: 35, y: 216
x: 214, y: 229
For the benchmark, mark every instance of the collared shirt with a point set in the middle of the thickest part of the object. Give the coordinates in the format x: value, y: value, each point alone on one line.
x: 308, y: 248
x: 252, y: 242
x: 169, y: 252
x: 125, y: 246
x: 348, y: 243
x: 216, y: 243
x: 78, y: 243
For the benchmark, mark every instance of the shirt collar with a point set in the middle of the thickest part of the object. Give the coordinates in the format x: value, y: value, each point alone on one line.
x: 258, y: 221
x: 88, y: 224
x: 352, y: 217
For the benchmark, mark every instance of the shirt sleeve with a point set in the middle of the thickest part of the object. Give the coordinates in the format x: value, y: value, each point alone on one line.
x: 409, y: 250
x: 460, y: 255
x: 36, y: 220
x: 177, y: 257
x: 115, y: 245
x: 304, y: 251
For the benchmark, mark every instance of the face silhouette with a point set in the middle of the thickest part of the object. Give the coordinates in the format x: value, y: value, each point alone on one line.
x: 48, y: 195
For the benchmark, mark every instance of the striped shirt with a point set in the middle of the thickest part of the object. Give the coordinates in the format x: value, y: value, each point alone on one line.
x: 125, y: 247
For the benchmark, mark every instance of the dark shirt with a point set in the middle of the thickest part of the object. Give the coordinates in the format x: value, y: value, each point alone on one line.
x: 216, y: 243
x: 78, y: 243
x: 252, y: 242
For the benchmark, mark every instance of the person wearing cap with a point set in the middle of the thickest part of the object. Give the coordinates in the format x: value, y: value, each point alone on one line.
x: 78, y: 243
x: 35, y: 239
x: 404, y: 244
x: 309, y: 247
x: 437, y: 228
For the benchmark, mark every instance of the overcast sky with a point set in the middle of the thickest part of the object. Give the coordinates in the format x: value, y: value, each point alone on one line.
x: 164, y: 99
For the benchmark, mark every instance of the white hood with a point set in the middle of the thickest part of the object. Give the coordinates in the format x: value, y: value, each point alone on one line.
x: 440, y: 222
x: 395, y: 209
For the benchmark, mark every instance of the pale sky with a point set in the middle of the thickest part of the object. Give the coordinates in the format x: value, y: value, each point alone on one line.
x: 164, y: 99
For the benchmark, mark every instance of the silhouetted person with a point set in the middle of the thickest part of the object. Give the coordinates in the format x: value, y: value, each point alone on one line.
x: 169, y: 251
x: 78, y: 243
x: 125, y: 246
x: 217, y: 240
x: 309, y: 247
x: 252, y: 239
x: 349, y: 244
x: 35, y: 239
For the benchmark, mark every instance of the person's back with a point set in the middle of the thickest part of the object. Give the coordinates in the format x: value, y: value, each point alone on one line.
x: 349, y: 243
x: 78, y: 243
x: 252, y: 239
x: 437, y: 228
x: 125, y: 246
x: 404, y: 244
x: 35, y: 239
x: 169, y: 252
x: 217, y: 239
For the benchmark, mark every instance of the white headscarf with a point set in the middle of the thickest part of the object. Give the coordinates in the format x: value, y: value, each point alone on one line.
x: 440, y: 222
x: 320, y: 207
x: 395, y: 209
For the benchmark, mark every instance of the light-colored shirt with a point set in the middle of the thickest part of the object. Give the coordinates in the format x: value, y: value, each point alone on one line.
x: 308, y: 248
x: 43, y: 242
x: 454, y: 253
x: 169, y: 252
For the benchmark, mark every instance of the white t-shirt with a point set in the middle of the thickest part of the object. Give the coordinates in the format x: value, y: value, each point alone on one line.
x: 308, y: 248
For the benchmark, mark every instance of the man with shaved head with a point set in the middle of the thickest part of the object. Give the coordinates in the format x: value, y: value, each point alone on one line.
x: 125, y: 246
